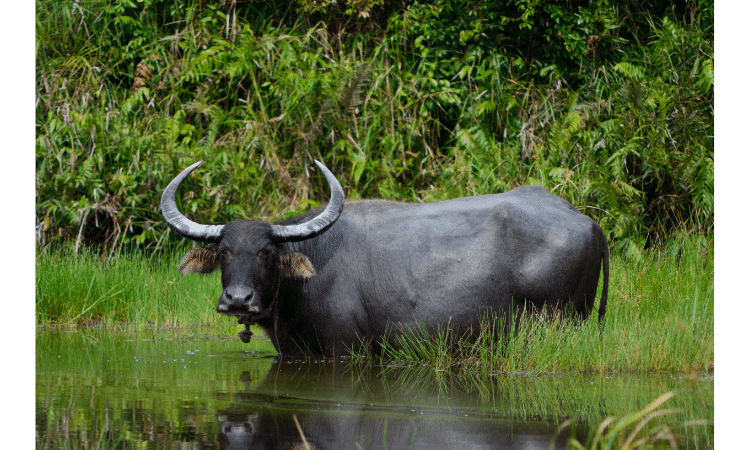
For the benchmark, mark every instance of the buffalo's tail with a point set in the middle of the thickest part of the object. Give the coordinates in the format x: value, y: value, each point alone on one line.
x: 605, y: 282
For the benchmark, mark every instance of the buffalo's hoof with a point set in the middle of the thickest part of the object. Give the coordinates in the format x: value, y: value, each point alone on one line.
x: 245, y: 336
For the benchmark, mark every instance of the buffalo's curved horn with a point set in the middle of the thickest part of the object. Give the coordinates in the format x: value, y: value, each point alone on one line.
x: 181, y: 224
x: 321, y: 222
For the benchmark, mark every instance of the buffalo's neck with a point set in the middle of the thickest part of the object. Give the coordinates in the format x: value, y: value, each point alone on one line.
x: 294, y: 324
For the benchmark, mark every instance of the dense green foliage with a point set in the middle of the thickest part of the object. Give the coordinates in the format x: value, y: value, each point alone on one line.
x: 607, y: 104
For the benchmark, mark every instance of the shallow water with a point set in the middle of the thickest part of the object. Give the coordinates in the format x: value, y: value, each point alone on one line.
x: 191, y: 389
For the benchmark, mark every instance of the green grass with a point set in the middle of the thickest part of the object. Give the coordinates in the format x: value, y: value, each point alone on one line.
x: 133, y: 290
x: 660, y: 313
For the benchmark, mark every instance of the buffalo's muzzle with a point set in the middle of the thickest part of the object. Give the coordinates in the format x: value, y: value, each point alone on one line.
x: 238, y: 300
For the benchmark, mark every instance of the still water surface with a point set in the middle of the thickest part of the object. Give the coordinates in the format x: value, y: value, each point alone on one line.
x: 198, y: 390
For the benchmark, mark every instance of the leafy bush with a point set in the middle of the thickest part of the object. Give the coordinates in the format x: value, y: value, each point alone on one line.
x: 610, y: 107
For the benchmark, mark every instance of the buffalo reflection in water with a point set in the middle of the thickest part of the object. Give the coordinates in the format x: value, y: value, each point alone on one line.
x: 327, y: 406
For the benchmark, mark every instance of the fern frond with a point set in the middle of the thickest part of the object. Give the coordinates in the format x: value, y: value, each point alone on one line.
x: 351, y: 95
x: 706, y: 77
x: 630, y: 70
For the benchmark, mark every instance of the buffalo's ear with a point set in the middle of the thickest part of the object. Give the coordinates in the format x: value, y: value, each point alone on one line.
x: 296, y: 265
x: 199, y: 260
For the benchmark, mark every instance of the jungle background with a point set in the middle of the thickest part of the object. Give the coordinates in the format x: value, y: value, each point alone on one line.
x: 607, y: 104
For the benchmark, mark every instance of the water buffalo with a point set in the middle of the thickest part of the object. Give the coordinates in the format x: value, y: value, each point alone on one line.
x: 328, y: 282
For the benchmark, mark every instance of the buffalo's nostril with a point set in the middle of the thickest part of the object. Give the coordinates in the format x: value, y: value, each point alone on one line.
x: 238, y: 295
x: 235, y: 298
x: 238, y: 300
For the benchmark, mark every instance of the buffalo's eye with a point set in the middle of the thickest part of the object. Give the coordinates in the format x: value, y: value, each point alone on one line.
x: 224, y: 253
x: 263, y: 253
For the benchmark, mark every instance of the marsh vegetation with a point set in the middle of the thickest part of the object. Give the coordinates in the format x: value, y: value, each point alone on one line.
x: 606, y: 104
x: 660, y: 315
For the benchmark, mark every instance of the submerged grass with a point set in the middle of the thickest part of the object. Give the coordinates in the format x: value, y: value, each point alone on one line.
x: 204, y: 375
x: 641, y: 429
